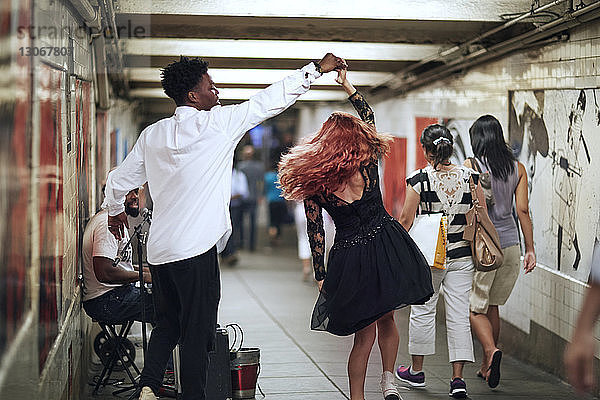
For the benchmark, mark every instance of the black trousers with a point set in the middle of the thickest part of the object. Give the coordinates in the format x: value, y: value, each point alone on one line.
x: 186, y: 296
x: 249, y: 209
x: 235, y: 240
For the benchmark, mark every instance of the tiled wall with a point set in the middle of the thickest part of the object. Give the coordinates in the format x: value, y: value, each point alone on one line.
x: 61, y: 372
x: 545, y: 299
x: 551, y: 300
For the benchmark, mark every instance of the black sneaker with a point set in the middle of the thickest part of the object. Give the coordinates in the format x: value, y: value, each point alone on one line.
x: 458, y: 389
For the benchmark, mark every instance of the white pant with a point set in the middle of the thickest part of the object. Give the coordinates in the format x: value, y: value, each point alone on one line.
x: 456, y: 282
x: 303, y: 243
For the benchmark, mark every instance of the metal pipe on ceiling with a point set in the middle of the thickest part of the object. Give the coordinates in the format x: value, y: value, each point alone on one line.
x: 117, y: 53
x: 528, y: 39
x: 89, y: 14
x: 477, y: 39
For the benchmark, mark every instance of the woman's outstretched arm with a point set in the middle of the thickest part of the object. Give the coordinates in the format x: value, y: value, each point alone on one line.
x: 358, y: 101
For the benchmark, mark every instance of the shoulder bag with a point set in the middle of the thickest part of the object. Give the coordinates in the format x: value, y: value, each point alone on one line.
x: 429, y: 232
x: 482, y: 236
x: 486, y: 182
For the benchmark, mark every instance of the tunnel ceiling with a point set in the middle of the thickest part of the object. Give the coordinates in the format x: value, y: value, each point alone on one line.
x: 250, y: 44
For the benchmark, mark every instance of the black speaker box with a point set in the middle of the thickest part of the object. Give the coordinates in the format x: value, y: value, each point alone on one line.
x: 218, y: 384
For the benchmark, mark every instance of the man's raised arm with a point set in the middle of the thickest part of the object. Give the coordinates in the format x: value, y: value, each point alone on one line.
x: 235, y: 120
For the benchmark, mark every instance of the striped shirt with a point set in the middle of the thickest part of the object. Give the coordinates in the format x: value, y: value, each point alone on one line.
x: 448, y: 192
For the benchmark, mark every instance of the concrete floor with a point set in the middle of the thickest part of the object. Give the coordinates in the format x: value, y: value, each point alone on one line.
x: 264, y: 294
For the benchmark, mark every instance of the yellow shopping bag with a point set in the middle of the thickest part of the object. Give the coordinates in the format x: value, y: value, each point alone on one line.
x: 440, y: 250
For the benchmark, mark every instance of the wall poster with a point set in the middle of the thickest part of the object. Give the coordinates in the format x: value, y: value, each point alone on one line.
x: 554, y: 134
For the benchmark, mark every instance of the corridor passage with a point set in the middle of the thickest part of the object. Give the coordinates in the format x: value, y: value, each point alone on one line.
x: 264, y: 294
x: 84, y: 84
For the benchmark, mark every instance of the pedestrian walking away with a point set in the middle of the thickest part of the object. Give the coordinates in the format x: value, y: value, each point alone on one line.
x: 506, y: 181
x: 446, y: 188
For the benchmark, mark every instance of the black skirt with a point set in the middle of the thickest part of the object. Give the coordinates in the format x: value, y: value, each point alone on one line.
x: 370, y: 277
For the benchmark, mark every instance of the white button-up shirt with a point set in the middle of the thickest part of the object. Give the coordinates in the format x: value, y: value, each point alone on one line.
x: 187, y: 161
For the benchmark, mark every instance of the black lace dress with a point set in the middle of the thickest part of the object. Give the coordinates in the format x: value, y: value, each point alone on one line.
x: 374, y: 266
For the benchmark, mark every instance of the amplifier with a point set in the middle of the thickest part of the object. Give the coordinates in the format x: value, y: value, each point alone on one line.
x: 218, y: 383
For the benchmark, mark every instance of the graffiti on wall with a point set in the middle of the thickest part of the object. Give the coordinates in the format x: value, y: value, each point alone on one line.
x: 552, y: 133
x: 84, y: 176
x: 459, y: 128
x: 15, y: 178
x: 50, y: 181
x: 101, y: 165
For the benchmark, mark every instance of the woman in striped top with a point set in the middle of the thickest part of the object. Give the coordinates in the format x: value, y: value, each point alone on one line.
x: 445, y: 187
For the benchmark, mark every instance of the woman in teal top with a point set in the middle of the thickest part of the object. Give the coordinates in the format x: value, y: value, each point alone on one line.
x: 277, y: 206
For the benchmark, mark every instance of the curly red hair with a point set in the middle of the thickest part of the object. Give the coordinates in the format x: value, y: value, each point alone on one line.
x: 325, y: 161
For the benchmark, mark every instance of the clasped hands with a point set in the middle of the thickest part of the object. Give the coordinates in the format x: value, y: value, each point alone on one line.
x: 330, y: 63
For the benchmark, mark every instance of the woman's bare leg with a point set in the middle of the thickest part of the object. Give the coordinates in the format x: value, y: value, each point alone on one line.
x: 357, y: 362
x: 483, y: 329
x: 388, y: 339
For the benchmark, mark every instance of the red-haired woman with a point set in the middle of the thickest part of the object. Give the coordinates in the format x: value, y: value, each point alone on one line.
x: 374, y: 267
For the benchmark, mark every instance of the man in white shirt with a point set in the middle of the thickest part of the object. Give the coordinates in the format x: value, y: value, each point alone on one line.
x: 108, y: 291
x: 187, y: 161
